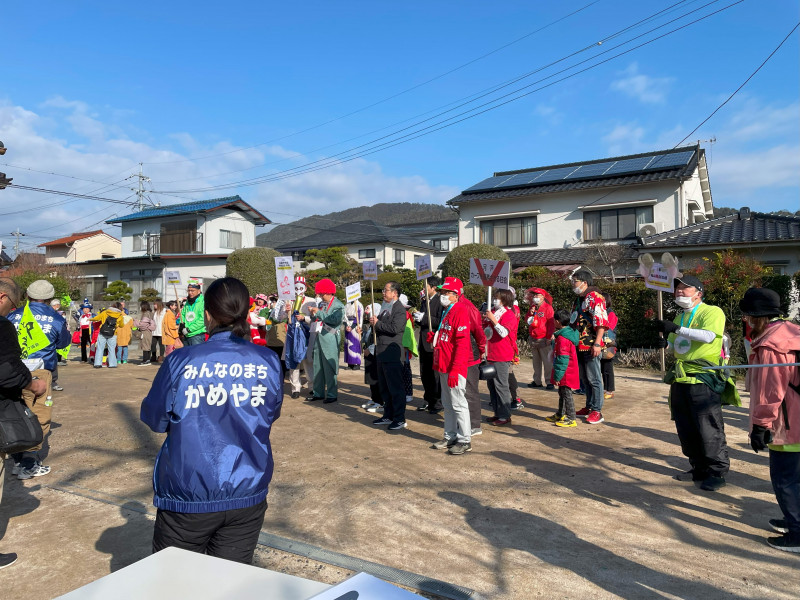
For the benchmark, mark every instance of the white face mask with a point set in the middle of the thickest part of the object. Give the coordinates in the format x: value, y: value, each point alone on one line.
x: 537, y: 301
x: 318, y: 299
x: 684, y: 301
x: 444, y: 299
x: 495, y: 303
x: 578, y: 289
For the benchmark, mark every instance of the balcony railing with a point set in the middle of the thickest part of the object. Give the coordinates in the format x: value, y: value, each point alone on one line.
x: 176, y: 242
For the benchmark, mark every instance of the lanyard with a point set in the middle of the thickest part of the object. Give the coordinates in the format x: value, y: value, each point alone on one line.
x: 691, y: 316
x: 444, y: 314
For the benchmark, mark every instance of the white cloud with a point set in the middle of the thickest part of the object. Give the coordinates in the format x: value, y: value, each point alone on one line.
x: 649, y: 90
x: 776, y: 167
x: 44, y: 141
x: 757, y: 121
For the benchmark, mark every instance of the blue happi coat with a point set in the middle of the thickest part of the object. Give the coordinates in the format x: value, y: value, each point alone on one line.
x: 217, y: 402
x: 296, y: 345
x: 54, y: 327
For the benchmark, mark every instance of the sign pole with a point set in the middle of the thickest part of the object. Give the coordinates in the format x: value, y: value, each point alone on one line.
x: 372, y: 297
x: 489, y: 301
x: 428, y: 302
x: 660, y: 333
x: 175, y: 289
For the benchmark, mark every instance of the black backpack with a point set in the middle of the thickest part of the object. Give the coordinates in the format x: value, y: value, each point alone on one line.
x: 109, y: 327
x: 19, y: 427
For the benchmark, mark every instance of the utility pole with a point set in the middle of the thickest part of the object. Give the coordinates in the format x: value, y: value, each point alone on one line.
x: 17, y: 234
x: 140, y: 188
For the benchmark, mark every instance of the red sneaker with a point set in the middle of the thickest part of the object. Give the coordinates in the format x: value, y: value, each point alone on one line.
x: 501, y: 422
x: 595, y: 417
x: 582, y: 412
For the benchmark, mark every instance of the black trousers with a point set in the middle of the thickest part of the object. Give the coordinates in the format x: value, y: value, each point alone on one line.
x: 697, y: 412
x: 430, y: 382
x: 228, y: 534
x: 513, y: 386
x: 784, y: 471
x: 156, y: 344
x: 390, y: 381
x: 86, y: 341
x: 607, y: 369
x: 474, y: 396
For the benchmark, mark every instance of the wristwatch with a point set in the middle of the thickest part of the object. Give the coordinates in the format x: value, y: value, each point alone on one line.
x: 596, y: 345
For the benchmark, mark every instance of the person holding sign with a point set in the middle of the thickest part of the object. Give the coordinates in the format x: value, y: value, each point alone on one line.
x: 301, y: 337
x: 695, y: 337
x: 427, y: 328
x: 354, y: 313
x: 452, y: 355
x: 389, y: 327
x: 329, y: 315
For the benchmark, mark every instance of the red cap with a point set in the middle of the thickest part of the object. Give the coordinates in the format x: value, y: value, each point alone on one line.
x: 325, y: 286
x: 452, y: 284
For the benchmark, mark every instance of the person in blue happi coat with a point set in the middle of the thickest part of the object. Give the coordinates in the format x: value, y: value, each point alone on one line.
x: 217, y: 402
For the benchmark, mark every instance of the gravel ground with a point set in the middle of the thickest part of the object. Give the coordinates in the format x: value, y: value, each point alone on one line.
x: 532, y: 511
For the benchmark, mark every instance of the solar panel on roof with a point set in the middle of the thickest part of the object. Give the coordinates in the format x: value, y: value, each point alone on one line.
x: 630, y: 165
x: 590, y: 170
x: 488, y: 183
x: 555, y: 174
x: 675, y: 159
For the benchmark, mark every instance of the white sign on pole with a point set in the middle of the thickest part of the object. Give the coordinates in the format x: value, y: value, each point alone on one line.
x: 423, y: 266
x: 284, y: 276
x: 370, y: 270
x: 173, y: 277
x: 489, y: 273
x: 353, y: 291
x: 658, y: 278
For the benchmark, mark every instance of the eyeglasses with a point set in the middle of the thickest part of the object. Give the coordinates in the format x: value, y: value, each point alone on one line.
x: 10, y: 301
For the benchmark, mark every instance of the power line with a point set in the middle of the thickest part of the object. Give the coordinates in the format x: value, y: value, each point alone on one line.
x: 386, y: 99
x: 736, y: 91
x: 472, y: 97
x: 355, y: 153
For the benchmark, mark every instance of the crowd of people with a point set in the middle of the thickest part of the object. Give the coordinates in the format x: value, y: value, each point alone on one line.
x: 238, y: 351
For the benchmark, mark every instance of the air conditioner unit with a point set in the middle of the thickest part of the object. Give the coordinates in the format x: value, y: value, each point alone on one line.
x: 648, y: 229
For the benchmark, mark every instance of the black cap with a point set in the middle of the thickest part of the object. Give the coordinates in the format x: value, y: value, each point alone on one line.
x: 583, y: 275
x: 761, y: 302
x: 691, y: 281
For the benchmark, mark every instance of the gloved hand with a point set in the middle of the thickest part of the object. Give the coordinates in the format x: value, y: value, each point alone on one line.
x: 662, y: 343
x: 452, y: 380
x: 418, y: 316
x: 759, y: 438
x: 667, y: 326
x: 429, y: 337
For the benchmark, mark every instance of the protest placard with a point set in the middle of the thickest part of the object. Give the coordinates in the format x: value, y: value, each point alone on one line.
x: 353, y: 291
x: 489, y: 273
x: 284, y: 276
x: 173, y: 277
x: 370, y: 268
x: 423, y: 266
x: 659, y: 279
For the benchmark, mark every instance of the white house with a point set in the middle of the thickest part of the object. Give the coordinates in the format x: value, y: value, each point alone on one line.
x: 81, y: 247
x: 367, y: 240
x: 554, y: 215
x: 193, y: 239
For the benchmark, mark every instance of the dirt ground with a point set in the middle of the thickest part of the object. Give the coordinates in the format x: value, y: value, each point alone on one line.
x: 533, y: 511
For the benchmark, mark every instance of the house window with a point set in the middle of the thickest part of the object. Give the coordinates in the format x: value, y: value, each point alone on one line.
x: 231, y: 240
x: 399, y: 257
x: 618, y: 224
x: 442, y: 245
x: 138, y: 242
x: 509, y: 232
x: 298, y: 255
x: 370, y: 253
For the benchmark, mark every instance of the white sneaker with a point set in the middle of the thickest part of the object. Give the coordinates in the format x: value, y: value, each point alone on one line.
x: 375, y: 408
x: 477, y: 431
x: 369, y: 404
x: 36, y: 470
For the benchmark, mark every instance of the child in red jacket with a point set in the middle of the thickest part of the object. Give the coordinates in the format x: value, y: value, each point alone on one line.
x: 565, y: 370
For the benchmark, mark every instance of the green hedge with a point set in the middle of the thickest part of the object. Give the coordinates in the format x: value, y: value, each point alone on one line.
x: 255, y: 267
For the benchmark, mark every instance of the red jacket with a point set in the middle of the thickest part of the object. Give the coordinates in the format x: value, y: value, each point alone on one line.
x: 542, y: 324
x: 452, y: 350
x: 565, y: 359
x: 476, y: 331
x: 503, y: 349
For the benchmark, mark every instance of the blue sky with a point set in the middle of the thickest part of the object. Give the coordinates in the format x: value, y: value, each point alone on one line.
x: 91, y: 89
